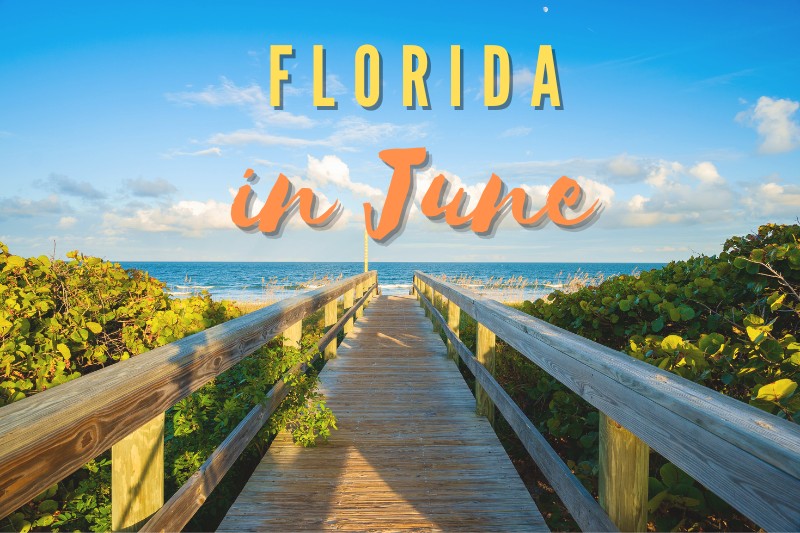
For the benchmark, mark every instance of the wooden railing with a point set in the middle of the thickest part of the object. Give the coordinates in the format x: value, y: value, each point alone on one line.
x: 748, y: 457
x: 48, y: 436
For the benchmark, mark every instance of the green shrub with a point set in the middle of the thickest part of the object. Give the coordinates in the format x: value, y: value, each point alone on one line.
x: 63, y: 319
x: 728, y: 322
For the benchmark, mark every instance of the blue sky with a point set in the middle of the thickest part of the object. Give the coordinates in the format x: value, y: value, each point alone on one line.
x: 125, y: 127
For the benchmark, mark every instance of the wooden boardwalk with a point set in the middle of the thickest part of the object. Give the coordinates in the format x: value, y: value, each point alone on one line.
x: 410, y: 452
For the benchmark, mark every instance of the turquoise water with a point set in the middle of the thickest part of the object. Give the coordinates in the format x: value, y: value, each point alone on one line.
x: 273, y: 281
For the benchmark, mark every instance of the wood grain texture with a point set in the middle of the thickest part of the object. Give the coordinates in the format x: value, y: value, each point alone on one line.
x: 410, y: 453
x: 622, y: 482
x: 739, y: 452
x: 45, y: 437
x: 137, y: 476
x: 347, y: 303
x: 484, y: 348
x: 331, y: 310
x: 359, y: 293
x: 582, y: 506
x: 453, y: 322
x: 182, y: 506
x: 293, y: 335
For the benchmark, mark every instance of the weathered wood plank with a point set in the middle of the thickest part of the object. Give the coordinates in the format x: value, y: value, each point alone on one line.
x: 739, y: 452
x: 624, y: 468
x: 410, y: 451
x: 582, y: 506
x: 182, y: 506
x: 331, y: 309
x: 293, y: 335
x: 454, y: 323
x: 45, y: 437
x: 137, y: 476
x: 347, y: 303
x: 485, y: 348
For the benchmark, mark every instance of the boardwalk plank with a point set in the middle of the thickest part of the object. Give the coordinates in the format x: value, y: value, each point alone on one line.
x: 410, y: 452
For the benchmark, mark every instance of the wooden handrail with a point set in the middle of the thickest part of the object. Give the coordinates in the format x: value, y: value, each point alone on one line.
x: 182, y: 506
x: 44, y: 438
x: 581, y: 505
x: 748, y: 457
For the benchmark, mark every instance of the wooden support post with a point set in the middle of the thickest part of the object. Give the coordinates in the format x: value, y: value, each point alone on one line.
x: 434, y: 299
x: 293, y: 335
x: 414, y: 287
x: 359, y: 294
x: 349, y: 298
x: 137, y: 476
x: 484, y: 352
x: 453, y: 321
x: 624, y: 461
x: 330, y: 319
x: 429, y: 295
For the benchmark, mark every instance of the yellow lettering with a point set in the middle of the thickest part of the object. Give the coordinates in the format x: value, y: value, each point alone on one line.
x: 368, y: 97
x: 414, y: 79
x: 496, y: 96
x: 277, y: 74
x: 320, y: 100
x: 546, y: 67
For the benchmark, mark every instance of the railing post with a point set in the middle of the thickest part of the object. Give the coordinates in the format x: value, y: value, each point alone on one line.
x: 484, y: 352
x: 293, y: 334
x: 137, y: 476
x: 434, y: 297
x: 359, y: 294
x: 349, y: 298
x: 624, y: 462
x: 331, y: 309
x: 414, y: 286
x: 429, y: 295
x: 453, y: 322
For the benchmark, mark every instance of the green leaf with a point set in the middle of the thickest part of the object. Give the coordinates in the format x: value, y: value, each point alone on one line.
x: 48, y: 506
x: 777, y: 390
x: 672, y: 343
x: 94, y: 327
x: 756, y: 334
x: 669, y: 474
x: 776, y: 303
x: 657, y: 324
x: 62, y: 348
x: 740, y: 262
x: 687, y: 313
x: 772, y: 350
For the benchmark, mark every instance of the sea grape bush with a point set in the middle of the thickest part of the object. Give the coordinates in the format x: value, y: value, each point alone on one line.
x: 728, y: 322
x: 60, y: 320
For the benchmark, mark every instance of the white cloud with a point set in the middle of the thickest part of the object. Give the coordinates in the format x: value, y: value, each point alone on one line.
x: 330, y: 170
x: 187, y: 217
x: 624, y: 166
x: 334, y: 86
x: 24, y: 207
x: 150, y: 188
x: 251, y: 98
x: 773, y: 199
x: 348, y: 133
x: 772, y: 119
x: 214, y: 150
x: 71, y: 187
x: 67, y: 222
x: 519, y: 131
x: 677, y: 199
x: 707, y: 173
x: 662, y: 173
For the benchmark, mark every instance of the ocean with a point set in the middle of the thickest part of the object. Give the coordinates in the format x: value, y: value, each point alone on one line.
x: 265, y: 282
